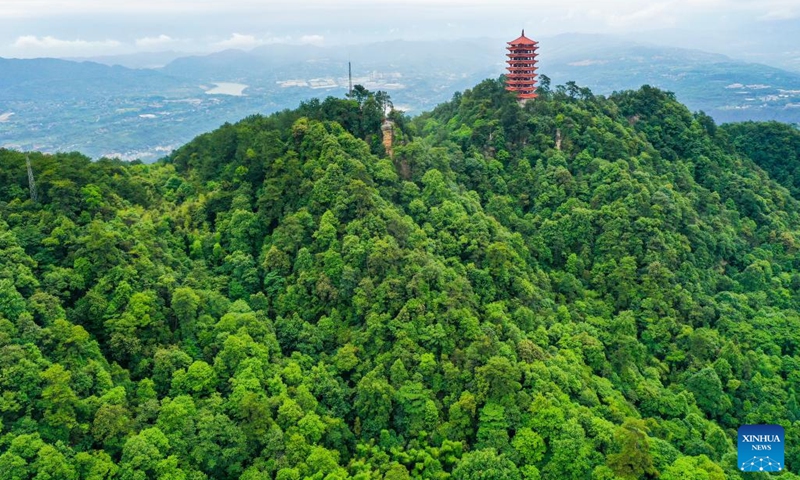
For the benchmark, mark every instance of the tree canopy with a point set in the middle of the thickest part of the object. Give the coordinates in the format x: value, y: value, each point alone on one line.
x: 579, y: 287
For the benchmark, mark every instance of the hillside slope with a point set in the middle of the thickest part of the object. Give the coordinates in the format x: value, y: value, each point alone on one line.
x: 586, y: 287
x: 774, y: 146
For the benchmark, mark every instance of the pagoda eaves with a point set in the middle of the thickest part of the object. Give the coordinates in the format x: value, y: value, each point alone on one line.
x: 521, y: 76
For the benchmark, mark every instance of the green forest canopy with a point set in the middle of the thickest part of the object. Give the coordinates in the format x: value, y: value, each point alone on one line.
x: 583, y: 287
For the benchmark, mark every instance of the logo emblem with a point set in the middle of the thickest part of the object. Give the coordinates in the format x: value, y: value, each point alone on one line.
x: 761, y: 448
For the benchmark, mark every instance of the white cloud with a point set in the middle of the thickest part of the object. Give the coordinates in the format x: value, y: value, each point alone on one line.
x: 206, y: 25
x: 52, y: 43
x: 246, y: 41
x: 159, y: 41
x: 44, y: 8
x: 658, y: 14
x: 312, y: 40
x: 786, y: 13
x: 238, y: 40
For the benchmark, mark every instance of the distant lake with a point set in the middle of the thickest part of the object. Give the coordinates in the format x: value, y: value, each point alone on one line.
x: 224, y: 88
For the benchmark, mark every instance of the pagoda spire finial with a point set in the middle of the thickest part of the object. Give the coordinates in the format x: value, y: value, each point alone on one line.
x: 523, y: 32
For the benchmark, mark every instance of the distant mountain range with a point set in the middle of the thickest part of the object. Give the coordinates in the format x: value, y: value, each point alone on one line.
x: 50, y: 79
x: 103, y: 108
x: 727, y: 89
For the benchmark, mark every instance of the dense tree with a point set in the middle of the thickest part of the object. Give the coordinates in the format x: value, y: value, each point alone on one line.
x: 485, y: 465
x: 633, y: 459
x: 578, y: 287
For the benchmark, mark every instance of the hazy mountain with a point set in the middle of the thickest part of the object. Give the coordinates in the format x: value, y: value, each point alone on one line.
x: 137, y: 113
x: 136, y: 60
x: 725, y: 88
x: 59, y: 80
x: 767, y: 42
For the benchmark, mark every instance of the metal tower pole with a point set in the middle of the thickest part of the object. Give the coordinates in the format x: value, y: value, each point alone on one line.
x: 350, y: 76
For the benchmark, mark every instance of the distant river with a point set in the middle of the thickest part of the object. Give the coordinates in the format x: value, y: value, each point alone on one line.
x: 223, y: 88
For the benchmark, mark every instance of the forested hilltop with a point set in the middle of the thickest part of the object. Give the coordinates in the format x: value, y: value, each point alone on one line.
x: 581, y: 288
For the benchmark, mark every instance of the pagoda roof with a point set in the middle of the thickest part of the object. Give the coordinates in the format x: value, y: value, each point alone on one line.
x: 523, y: 40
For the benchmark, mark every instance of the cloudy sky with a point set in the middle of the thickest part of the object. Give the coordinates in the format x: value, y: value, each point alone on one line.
x: 69, y: 28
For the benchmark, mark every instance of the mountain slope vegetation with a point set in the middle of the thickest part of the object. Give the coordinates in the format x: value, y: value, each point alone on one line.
x: 583, y: 287
x: 774, y: 146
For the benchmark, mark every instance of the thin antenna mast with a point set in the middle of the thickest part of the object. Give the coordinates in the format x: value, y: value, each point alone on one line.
x: 31, y: 181
x: 350, y: 76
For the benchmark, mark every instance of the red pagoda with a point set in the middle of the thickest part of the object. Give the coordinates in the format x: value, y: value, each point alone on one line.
x: 522, y: 75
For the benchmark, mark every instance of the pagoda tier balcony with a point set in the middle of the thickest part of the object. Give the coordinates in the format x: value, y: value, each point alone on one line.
x: 521, y: 67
